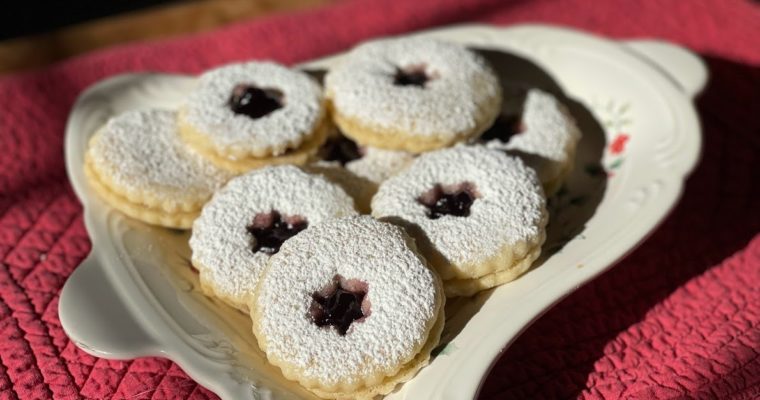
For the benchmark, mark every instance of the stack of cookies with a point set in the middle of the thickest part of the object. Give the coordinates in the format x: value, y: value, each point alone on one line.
x: 341, y: 218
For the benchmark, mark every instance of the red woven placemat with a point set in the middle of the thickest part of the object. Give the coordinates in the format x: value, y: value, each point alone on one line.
x: 680, y: 317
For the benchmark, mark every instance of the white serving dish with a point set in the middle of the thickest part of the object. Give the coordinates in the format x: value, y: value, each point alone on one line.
x: 136, y: 296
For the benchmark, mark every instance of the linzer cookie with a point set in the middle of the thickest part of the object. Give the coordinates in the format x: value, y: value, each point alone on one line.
x: 478, y: 215
x: 348, y: 308
x: 542, y: 133
x: 416, y: 94
x: 245, y: 116
x: 139, y: 165
x: 371, y: 163
x: 247, y: 221
x: 360, y: 189
x: 358, y: 169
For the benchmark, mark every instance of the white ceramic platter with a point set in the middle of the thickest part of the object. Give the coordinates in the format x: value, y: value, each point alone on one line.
x: 135, y: 295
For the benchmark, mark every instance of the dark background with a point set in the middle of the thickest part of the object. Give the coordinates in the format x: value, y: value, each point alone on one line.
x: 20, y: 18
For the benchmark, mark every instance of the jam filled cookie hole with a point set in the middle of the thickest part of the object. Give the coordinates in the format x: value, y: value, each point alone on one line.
x: 341, y: 149
x: 340, y: 304
x: 505, y: 127
x: 454, y: 200
x: 270, y: 230
x: 510, y: 120
x: 413, y: 75
x: 255, y: 102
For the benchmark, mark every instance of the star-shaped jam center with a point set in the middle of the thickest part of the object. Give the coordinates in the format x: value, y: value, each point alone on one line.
x: 341, y: 149
x: 510, y: 120
x: 504, y: 128
x: 270, y: 230
x: 413, y: 75
x: 454, y: 200
x: 253, y: 101
x: 339, y: 305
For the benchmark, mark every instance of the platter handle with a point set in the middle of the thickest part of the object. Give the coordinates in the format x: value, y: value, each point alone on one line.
x: 94, y: 318
x: 683, y: 67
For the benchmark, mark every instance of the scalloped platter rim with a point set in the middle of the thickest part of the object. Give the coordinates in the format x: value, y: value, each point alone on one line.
x: 134, y: 295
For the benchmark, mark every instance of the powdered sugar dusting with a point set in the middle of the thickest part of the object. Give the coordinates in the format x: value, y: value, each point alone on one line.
x: 549, y: 138
x: 362, y: 86
x: 508, y: 210
x: 208, y: 111
x: 377, y: 165
x: 141, y: 152
x: 403, y: 292
x: 220, y: 241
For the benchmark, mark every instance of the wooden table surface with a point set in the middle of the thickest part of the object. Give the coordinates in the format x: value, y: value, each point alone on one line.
x: 28, y: 52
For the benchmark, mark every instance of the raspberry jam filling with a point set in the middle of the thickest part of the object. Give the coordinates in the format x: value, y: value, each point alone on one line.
x: 341, y: 149
x: 454, y: 200
x: 340, y: 304
x: 510, y: 121
x: 271, y: 230
x: 253, y: 101
x: 505, y: 127
x: 413, y: 75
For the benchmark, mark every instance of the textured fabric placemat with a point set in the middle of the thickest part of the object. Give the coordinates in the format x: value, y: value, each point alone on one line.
x: 679, y: 317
